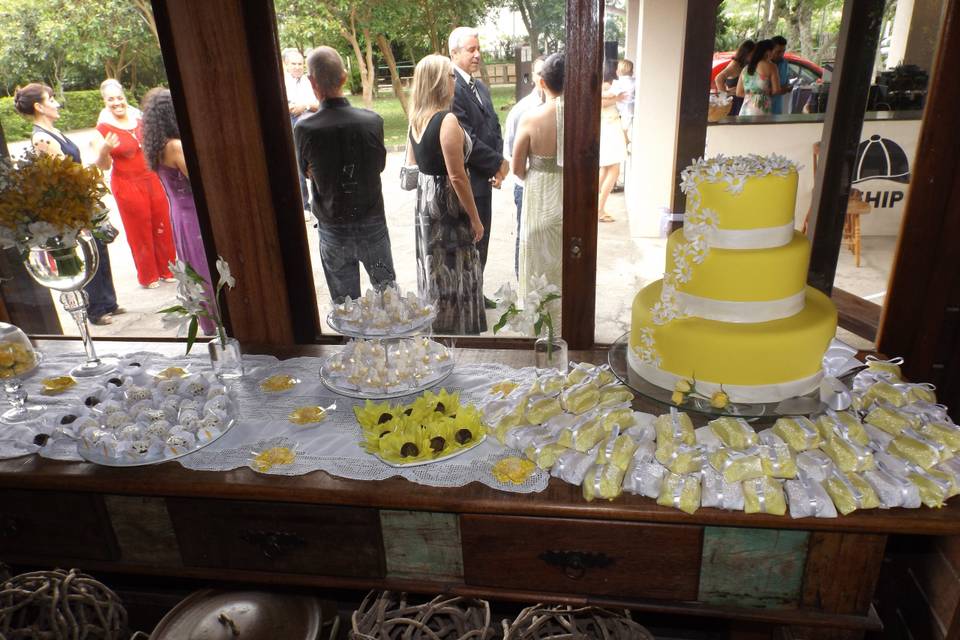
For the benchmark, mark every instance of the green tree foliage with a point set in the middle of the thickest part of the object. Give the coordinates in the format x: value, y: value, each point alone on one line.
x: 76, y: 44
x: 810, y: 26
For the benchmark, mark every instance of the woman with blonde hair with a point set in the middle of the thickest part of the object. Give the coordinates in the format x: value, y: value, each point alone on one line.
x: 448, y: 225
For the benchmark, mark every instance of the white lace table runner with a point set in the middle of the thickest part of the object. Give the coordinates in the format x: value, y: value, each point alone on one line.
x: 331, y: 446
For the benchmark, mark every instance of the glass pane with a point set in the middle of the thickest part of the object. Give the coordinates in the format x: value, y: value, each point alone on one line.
x: 422, y: 238
x: 66, y: 107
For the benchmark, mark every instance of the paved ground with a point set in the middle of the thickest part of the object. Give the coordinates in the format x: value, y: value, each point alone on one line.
x: 624, y: 264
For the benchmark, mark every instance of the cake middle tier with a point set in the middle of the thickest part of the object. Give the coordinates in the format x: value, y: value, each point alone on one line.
x: 739, y: 285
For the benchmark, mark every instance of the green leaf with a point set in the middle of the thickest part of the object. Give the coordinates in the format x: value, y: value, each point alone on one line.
x: 192, y: 333
x: 538, y: 326
x: 174, y: 309
x: 509, y: 313
x: 550, y: 297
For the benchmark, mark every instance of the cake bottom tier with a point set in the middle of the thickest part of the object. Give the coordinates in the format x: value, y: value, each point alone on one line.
x: 755, y: 362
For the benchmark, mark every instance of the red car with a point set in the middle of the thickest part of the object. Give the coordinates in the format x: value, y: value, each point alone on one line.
x: 802, y: 71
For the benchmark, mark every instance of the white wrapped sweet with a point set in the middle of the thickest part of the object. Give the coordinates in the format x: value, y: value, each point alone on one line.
x: 707, y: 439
x: 168, y: 387
x: 718, y: 493
x: 108, y: 446
x: 130, y: 432
x: 136, y: 393
x: 158, y: 429
x: 642, y: 428
x: 572, y: 465
x: 117, y: 420
x: 879, y: 439
x: 644, y: 475
x: 194, y: 386
x: 179, y: 443
x: 892, y: 490
x: 207, y: 433
x: 216, y: 404
x: 213, y: 420
x: 139, y: 407
x: 815, y: 464
x: 807, y: 498
x: 192, y: 404
x: 521, y: 437
x: 141, y: 448
x: 110, y: 406
x: 215, y: 390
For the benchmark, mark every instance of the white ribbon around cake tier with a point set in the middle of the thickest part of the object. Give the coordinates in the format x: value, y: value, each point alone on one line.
x: 762, y: 238
x: 756, y: 393
x: 730, y: 311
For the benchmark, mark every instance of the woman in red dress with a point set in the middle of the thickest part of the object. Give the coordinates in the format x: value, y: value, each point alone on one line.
x: 140, y: 198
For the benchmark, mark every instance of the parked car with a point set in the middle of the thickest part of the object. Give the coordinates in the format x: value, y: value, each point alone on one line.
x: 802, y: 72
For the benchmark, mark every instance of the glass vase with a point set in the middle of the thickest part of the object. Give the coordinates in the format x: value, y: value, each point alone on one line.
x: 551, y: 353
x: 18, y: 361
x: 67, y: 265
x: 225, y: 358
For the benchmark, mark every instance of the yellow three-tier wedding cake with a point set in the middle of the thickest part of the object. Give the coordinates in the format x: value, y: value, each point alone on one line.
x: 733, y: 307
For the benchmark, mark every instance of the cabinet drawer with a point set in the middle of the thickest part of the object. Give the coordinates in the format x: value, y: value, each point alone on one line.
x: 56, y: 525
x: 281, y: 537
x: 615, y: 559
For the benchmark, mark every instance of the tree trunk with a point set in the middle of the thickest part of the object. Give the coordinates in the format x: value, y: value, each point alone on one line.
x: 146, y: 12
x: 528, y: 16
x: 387, y: 53
x: 350, y: 35
x: 372, y: 70
x: 483, y: 73
x: 805, y: 28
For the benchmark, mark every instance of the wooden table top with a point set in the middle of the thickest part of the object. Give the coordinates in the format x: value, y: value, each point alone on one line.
x: 558, y: 500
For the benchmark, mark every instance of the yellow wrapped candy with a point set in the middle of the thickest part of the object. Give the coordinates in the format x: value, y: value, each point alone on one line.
x: 617, y: 450
x: 680, y: 492
x: 735, y: 433
x: 583, y: 436
x: 885, y: 391
x: 503, y: 389
x: 846, y: 424
x: 307, y: 415
x: 934, y: 486
x: 615, y: 394
x: 778, y: 461
x: 764, y: 495
x: 922, y: 452
x: 577, y: 374
x: 59, y: 384
x: 848, y: 456
x: 850, y: 492
x: 580, y: 398
x: 604, y: 375
x: 548, y: 385
x: 890, y: 367
x: 679, y: 457
x: 512, y: 470
x: 172, y: 373
x: 508, y: 421
x: 278, y: 383
x: 602, y: 481
x: 544, y: 455
x: 622, y: 418
x: 798, y: 432
x: 944, y: 433
x: 889, y: 419
x: 266, y: 460
x: 539, y: 410
x: 675, y: 426
x: 922, y: 392
x: 736, y: 466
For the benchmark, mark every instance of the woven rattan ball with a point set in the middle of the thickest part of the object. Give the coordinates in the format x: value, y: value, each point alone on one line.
x: 56, y: 605
x: 388, y: 616
x: 565, y: 623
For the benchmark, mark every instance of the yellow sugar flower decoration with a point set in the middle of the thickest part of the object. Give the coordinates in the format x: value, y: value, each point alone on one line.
x: 372, y: 414
x: 444, y: 403
x: 408, y: 443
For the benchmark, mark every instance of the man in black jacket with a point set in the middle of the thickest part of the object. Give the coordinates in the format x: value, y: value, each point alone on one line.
x: 473, y: 107
x: 341, y: 150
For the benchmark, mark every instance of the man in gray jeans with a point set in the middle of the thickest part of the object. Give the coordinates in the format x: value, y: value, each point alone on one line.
x: 341, y: 150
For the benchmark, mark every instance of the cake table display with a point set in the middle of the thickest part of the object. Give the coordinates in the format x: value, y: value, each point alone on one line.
x: 733, y: 310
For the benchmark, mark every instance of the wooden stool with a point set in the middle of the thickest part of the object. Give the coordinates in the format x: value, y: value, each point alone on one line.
x: 856, y: 207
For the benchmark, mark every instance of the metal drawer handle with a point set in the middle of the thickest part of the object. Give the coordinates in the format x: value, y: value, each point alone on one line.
x: 576, y: 563
x: 8, y: 527
x: 273, y: 544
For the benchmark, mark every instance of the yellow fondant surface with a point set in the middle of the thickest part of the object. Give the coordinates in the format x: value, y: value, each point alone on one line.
x: 746, y: 275
x: 739, y: 353
x: 764, y: 202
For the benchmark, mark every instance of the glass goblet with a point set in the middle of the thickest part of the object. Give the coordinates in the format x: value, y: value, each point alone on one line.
x: 18, y: 360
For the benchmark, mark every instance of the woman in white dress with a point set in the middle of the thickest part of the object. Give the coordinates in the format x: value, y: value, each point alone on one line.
x: 538, y: 161
x: 613, y: 146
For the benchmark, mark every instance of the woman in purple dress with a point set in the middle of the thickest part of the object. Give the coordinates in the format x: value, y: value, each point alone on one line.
x: 164, y: 154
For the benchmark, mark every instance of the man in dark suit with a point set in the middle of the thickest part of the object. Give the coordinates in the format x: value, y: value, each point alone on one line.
x: 473, y: 107
x: 340, y: 149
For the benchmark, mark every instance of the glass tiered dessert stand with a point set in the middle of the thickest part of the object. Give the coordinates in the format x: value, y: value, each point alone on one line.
x: 386, y: 360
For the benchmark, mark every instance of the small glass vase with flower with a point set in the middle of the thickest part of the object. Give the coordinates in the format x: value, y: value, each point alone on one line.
x: 197, y: 300
x: 534, y: 317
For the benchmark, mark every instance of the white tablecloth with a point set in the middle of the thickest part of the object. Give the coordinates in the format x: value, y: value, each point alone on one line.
x: 331, y: 446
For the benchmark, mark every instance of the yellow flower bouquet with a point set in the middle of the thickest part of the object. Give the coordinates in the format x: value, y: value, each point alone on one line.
x: 45, y: 201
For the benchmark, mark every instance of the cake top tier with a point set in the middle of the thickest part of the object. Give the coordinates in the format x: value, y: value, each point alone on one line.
x: 734, y: 170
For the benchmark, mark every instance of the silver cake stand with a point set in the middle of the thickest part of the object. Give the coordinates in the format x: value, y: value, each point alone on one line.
x: 800, y: 406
